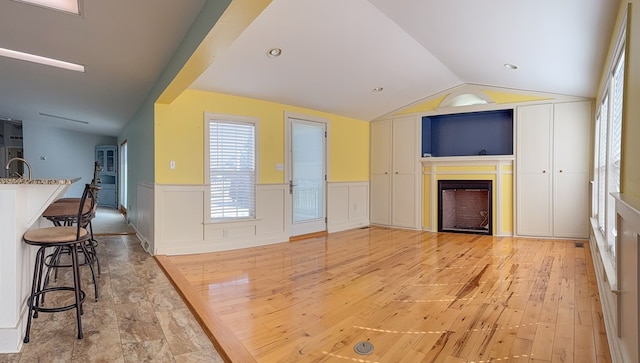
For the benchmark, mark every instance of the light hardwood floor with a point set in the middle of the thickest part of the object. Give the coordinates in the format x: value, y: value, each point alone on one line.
x: 416, y: 296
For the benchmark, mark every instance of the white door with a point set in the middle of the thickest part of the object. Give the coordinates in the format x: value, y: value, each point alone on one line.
x: 307, y: 176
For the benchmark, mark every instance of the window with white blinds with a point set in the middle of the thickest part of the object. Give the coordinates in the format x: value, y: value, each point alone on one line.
x: 615, y: 143
x: 607, y: 156
x: 602, y: 163
x: 231, y: 164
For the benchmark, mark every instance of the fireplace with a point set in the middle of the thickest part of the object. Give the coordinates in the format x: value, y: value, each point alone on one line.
x: 464, y: 206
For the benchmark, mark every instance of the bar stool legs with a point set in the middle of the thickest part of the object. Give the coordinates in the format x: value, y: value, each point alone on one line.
x: 38, y: 290
x: 52, y: 261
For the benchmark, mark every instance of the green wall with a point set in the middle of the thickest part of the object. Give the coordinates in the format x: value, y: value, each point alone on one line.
x: 140, y: 131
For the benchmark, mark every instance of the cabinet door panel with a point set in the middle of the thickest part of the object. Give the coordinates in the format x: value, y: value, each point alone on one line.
x: 533, y: 150
x: 405, y: 152
x: 571, y: 136
x: 403, y: 210
x: 381, y: 147
x: 380, y: 199
x: 534, y: 205
x: 571, y: 205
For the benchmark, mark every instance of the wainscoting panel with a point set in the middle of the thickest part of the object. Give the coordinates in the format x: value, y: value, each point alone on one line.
x: 182, y: 227
x: 348, y: 205
x: 144, y: 225
x: 608, y: 299
x: 271, y: 210
x: 181, y: 213
x: 619, y: 293
x: 628, y: 227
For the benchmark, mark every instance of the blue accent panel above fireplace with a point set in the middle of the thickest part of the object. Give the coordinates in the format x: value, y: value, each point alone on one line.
x: 466, y: 134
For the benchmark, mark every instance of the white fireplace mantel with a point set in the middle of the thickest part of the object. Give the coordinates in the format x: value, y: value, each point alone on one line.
x: 497, y: 168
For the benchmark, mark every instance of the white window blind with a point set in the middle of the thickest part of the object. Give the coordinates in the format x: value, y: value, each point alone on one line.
x: 232, y: 169
x: 616, y: 125
x: 615, y: 143
x: 602, y: 163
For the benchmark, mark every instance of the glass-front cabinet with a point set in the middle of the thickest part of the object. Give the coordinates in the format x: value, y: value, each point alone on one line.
x: 107, y: 157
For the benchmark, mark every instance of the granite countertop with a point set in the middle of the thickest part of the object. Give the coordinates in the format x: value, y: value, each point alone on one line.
x: 38, y: 181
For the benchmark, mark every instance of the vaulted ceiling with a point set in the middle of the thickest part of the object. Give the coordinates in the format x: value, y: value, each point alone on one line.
x: 334, y: 53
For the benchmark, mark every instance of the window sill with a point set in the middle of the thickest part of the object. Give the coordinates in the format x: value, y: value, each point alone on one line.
x: 607, y: 261
x: 232, y: 221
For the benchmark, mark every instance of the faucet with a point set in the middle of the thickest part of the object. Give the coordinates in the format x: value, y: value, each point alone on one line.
x: 19, y: 159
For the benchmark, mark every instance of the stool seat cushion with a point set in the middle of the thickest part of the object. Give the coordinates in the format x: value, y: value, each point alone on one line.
x: 68, y: 200
x: 64, y: 209
x: 54, y: 234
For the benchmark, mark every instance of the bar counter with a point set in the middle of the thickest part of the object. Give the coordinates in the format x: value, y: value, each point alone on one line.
x: 22, y: 203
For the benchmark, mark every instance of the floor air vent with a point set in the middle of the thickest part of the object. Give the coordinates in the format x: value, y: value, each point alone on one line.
x: 579, y: 245
x: 363, y: 348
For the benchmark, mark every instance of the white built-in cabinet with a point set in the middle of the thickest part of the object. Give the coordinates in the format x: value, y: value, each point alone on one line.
x: 552, y: 170
x: 395, y: 173
x: 107, y: 157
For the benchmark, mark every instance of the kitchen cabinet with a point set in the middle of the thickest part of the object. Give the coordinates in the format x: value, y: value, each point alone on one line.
x: 395, y: 173
x: 552, y: 170
x: 107, y: 157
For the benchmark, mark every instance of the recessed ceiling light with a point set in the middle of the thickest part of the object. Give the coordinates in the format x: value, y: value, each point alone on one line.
x: 378, y: 89
x: 274, y: 52
x: 510, y: 66
x: 41, y: 60
x: 68, y: 6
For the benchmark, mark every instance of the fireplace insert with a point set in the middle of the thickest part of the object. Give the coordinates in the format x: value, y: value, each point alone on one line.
x: 465, y: 206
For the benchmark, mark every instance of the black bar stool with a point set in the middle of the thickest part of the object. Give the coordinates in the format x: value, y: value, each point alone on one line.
x: 64, y: 213
x: 72, y: 237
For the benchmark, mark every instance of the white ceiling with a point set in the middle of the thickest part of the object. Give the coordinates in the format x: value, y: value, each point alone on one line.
x: 334, y: 53
x: 125, y: 45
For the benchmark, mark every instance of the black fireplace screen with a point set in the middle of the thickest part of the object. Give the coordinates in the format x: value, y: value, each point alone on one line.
x: 465, y: 206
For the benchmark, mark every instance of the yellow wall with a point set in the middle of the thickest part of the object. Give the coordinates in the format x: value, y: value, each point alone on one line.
x: 630, y: 182
x: 179, y: 136
x: 507, y: 201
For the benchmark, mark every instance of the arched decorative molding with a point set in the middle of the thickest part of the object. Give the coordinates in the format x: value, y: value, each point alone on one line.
x: 465, y: 98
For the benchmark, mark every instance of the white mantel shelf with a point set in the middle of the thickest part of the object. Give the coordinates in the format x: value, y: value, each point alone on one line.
x: 22, y: 202
x: 491, y: 159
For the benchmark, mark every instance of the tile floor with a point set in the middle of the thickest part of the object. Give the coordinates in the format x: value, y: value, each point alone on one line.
x: 139, y: 316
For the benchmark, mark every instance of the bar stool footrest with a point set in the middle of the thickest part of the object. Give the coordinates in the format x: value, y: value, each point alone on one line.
x: 56, y: 309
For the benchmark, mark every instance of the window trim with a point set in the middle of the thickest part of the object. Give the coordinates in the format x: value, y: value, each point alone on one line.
x: 208, y: 117
x: 609, y: 253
